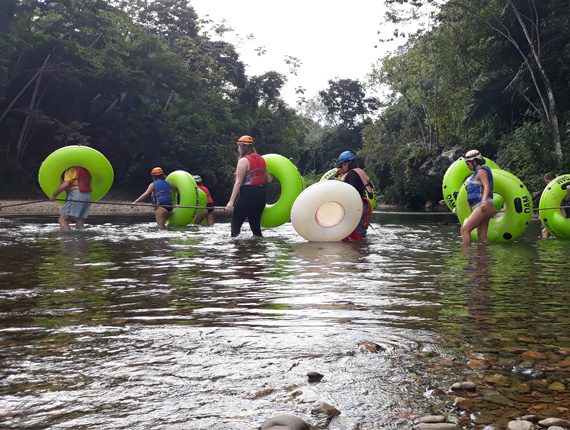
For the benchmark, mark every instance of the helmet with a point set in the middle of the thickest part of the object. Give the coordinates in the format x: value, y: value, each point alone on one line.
x: 344, y: 157
x: 157, y: 171
x: 245, y: 140
x: 198, y: 179
x: 472, y: 155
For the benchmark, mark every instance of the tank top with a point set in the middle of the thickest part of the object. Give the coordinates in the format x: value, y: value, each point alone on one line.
x: 475, y: 188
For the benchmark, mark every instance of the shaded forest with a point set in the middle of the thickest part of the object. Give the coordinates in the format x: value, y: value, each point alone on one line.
x: 149, y: 83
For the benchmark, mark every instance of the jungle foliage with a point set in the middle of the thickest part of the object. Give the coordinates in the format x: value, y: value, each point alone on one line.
x: 490, y: 74
x: 147, y: 84
x: 137, y: 80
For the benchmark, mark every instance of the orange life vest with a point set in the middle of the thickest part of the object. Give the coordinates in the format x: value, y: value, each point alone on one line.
x: 257, y: 169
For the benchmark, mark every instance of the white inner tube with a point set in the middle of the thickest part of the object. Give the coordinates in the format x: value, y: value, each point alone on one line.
x: 326, y: 211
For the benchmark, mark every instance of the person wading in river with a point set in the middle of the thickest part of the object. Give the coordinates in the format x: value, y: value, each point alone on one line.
x: 479, y: 196
x: 250, y: 178
x: 355, y: 176
x: 77, y: 183
x: 161, y: 191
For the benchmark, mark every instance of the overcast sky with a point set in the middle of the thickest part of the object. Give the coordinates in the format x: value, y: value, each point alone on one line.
x: 332, y: 38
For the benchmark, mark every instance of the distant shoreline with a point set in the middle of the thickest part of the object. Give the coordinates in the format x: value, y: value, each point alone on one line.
x: 34, y: 207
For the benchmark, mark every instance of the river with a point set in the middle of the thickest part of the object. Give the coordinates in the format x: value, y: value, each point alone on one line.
x: 123, y: 326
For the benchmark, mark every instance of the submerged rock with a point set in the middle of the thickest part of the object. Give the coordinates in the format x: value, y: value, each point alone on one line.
x: 326, y: 409
x: 314, y: 376
x: 285, y: 422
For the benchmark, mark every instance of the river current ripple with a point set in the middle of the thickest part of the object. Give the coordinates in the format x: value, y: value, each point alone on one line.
x: 122, y: 326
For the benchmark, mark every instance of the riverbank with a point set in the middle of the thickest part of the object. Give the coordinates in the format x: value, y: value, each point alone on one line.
x: 45, y: 207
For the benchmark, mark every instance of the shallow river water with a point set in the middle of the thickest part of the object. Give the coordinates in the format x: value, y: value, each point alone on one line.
x: 122, y: 326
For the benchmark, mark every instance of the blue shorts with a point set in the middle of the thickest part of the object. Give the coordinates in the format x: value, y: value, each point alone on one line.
x: 79, y: 208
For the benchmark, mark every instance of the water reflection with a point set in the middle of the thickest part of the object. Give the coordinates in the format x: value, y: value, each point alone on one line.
x: 124, y: 326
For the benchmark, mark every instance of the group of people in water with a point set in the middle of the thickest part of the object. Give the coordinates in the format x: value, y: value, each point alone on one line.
x: 249, y: 196
x: 247, y: 200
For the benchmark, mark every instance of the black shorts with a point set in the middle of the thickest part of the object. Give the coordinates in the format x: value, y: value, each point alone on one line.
x: 210, y: 207
x: 169, y: 208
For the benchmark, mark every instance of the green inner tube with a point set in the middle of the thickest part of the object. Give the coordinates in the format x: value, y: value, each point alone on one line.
x: 202, y: 202
x: 454, y: 178
x: 508, y: 225
x: 292, y: 184
x: 53, y: 167
x: 550, y: 200
x: 187, y: 196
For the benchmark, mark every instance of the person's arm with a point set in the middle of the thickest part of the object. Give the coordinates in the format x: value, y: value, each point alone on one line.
x: 144, y: 195
x: 62, y: 187
x: 241, y: 170
x: 268, y: 177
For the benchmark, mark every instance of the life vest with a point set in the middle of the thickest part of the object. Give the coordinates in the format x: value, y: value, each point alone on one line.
x: 82, y: 180
x: 257, y: 168
x: 208, y: 195
x: 368, y: 186
x: 475, y: 188
x: 161, y: 194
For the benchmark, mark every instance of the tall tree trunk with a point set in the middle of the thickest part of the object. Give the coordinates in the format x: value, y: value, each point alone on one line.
x: 551, y: 111
x: 21, y: 144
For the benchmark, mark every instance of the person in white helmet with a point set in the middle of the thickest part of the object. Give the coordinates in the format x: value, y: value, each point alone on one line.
x: 479, y: 196
x: 207, y: 213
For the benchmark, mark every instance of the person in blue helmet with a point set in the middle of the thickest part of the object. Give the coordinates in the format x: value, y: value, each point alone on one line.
x: 161, y: 191
x: 350, y: 173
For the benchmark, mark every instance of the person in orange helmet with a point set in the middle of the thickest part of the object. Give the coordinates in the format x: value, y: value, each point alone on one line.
x: 250, y: 178
x: 161, y: 191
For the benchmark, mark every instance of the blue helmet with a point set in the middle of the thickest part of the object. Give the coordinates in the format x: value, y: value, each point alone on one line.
x: 344, y: 157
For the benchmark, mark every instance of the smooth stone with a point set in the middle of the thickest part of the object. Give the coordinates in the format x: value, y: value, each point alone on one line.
x: 466, y: 385
x: 555, y: 428
x: 554, y: 422
x: 532, y: 418
x: 432, y: 419
x: 436, y: 426
x: 285, y: 422
x: 520, y: 425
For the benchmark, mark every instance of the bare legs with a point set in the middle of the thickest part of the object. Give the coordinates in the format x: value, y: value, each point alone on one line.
x: 479, y: 219
x: 210, y: 219
x: 64, y: 222
x: 161, y: 215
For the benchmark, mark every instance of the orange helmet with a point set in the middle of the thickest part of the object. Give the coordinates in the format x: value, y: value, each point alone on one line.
x: 245, y: 140
x: 157, y: 171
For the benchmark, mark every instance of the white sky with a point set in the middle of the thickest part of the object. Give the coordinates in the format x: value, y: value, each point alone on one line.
x: 332, y: 38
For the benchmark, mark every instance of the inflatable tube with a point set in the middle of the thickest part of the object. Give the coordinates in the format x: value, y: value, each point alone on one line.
x: 508, y: 225
x: 550, y: 214
x: 52, y: 168
x: 202, y: 202
x: 327, y: 211
x: 291, y: 181
x: 187, y: 196
x: 331, y: 174
x: 454, y: 177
